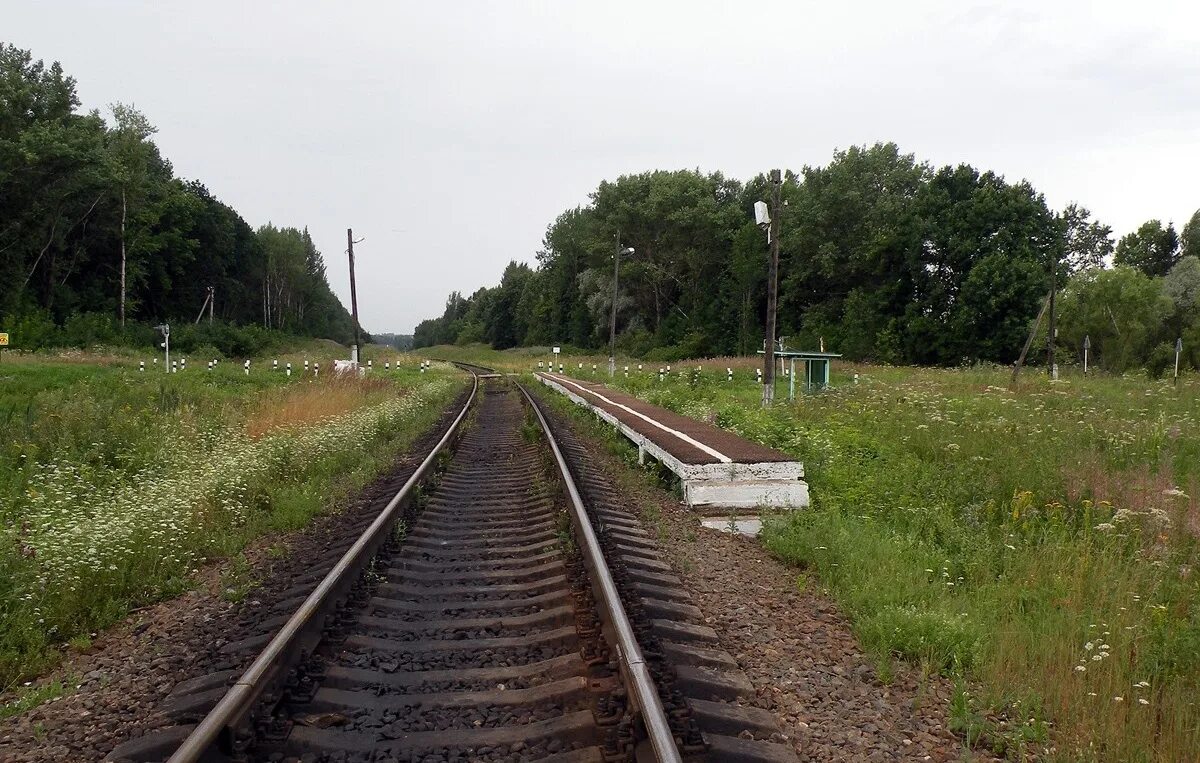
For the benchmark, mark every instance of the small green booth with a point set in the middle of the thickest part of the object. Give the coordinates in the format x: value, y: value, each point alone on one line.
x: 816, y: 368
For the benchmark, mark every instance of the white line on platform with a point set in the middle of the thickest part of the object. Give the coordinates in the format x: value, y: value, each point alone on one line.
x: 710, y: 451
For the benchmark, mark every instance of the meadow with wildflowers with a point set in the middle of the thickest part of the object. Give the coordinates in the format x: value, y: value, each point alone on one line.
x: 116, y: 485
x: 1038, y: 545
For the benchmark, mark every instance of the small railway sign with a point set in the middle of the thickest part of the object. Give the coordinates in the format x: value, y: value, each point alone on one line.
x: 3, y: 339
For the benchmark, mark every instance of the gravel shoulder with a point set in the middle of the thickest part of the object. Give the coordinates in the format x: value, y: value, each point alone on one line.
x: 792, y: 642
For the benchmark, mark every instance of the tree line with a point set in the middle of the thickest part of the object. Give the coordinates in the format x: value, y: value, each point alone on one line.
x: 882, y: 257
x: 99, y: 240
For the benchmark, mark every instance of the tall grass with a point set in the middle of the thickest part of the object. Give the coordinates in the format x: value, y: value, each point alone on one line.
x: 1039, y: 544
x: 115, y: 485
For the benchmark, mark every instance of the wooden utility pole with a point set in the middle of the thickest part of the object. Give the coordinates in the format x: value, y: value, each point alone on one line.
x: 1029, y: 341
x: 1050, y: 367
x: 772, y: 293
x: 212, y: 299
x: 123, y: 210
x: 353, y: 293
x: 207, y: 306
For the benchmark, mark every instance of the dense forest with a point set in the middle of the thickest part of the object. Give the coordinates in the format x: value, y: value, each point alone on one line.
x: 99, y: 240
x: 402, y: 342
x: 882, y: 256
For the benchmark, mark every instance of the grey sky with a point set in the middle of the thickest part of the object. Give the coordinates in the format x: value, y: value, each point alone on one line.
x: 449, y: 135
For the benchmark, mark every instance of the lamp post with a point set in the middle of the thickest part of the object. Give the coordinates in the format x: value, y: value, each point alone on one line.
x: 772, y: 222
x: 612, y: 323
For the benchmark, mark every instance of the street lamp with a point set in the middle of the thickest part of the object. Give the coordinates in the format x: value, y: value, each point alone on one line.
x: 612, y: 324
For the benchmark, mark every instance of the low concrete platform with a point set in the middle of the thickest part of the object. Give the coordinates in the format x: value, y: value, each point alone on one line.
x: 719, y: 470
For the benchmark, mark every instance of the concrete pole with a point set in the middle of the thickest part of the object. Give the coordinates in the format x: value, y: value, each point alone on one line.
x: 772, y: 294
x: 612, y: 321
x: 353, y: 296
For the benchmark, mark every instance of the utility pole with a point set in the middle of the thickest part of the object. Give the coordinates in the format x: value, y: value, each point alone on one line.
x: 612, y: 322
x: 1029, y: 341
x: 353, y: 295
x: 772, y: 293
x: 207, y: 306
x: 1050, y: 367
x: 212, y: 298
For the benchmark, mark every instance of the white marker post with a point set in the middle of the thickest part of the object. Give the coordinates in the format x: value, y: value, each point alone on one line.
x: 387, y: 365
x: 288, y: 370
x: 1087, y: 345
x: 728, y: 374
x: 306, y: 366
x: 626, y: 372
x: 369, y: 365
x: 174, y: 366
x: 209, y: 365
x: 1178, y: 350
x: 274, y: 365
x: 247, y: 366
x: 660, y: 374
x: 142, y: 365
x: 183, y: 364
x: 316, y: 370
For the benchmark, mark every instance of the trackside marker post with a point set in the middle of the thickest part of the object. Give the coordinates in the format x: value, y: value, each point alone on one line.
x: 247, y: 367
x: 1178, y: 350
x: 289, y: 370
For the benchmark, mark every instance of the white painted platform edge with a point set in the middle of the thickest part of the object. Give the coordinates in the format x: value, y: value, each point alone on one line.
x: 774, y: 484
x: 750, y: 494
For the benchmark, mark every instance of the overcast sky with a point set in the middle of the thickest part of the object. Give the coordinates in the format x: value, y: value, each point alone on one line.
x: 450, y: 134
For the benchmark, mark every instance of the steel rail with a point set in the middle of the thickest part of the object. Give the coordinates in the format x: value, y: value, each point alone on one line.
x: 638, y: 680
x: 245, y: 692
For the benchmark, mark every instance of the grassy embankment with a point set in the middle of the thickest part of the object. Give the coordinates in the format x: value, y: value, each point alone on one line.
x: 116, y: 485
x: 1039, y: 544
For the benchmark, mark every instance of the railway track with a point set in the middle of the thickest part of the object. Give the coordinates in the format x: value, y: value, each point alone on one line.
x: 475, y: 619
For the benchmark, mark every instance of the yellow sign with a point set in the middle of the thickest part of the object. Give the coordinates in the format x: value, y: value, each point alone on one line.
x: 3, y: 340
